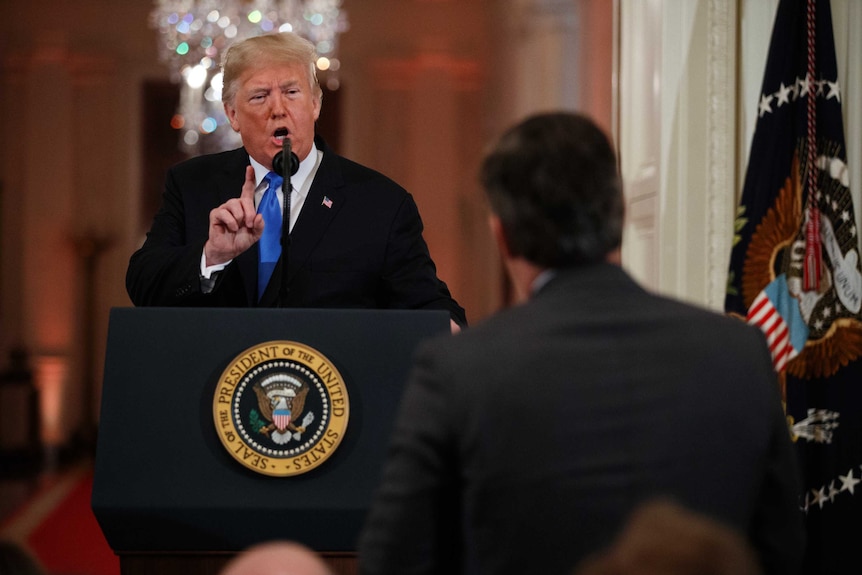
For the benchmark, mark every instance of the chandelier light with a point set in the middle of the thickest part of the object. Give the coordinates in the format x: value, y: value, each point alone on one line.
x: 193, y: 35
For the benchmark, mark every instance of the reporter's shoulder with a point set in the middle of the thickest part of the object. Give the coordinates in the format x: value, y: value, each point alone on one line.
x: 680, y: 308
x: 732, y: 330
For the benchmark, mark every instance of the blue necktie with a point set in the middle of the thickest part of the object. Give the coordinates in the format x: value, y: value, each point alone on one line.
x: 270, y: 241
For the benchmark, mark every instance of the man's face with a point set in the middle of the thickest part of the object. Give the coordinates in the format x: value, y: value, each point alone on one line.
x: 274, y: 101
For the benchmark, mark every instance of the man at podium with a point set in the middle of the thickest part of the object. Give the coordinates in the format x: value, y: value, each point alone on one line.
x: 353, y: 237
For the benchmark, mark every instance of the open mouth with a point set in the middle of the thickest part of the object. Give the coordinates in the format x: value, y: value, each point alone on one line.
x: 280, y: 134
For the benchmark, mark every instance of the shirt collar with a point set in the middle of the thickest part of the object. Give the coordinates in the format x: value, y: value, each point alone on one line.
x: 298, y: 179
x: 542, y: 280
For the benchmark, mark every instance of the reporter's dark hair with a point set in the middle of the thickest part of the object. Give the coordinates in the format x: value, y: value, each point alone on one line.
x: 554, y: 183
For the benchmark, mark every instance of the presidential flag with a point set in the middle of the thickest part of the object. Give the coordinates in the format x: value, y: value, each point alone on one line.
x: 795, y: 272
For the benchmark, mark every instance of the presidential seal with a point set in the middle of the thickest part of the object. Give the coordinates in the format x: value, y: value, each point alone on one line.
x: 281, y: 408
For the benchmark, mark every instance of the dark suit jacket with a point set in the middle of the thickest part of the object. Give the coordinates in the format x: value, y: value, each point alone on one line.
x: 365, y: 250
x: 523, y: 444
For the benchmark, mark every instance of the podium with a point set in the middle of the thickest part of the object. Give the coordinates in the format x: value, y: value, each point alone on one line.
x: 171, y: 495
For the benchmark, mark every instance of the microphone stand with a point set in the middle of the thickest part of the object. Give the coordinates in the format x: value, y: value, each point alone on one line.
x: 285, y: 171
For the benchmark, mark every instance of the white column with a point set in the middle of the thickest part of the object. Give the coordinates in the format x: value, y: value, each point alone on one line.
x: 639, y: 143
x: 847, y: 24
x: 677, y: 143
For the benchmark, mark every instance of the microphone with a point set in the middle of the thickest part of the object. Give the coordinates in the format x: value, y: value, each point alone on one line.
x: 278, y: 161
x: 278, y: 165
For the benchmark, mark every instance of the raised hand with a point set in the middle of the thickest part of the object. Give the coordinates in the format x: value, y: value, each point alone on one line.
x: 234, y: 225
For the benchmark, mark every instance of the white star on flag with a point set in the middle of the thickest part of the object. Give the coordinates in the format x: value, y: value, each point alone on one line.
x: 848, y: 482
x: 765, y: 107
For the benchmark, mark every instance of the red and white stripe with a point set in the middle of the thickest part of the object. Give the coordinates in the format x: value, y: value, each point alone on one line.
x: 764, y: 315
x: 281, y: 420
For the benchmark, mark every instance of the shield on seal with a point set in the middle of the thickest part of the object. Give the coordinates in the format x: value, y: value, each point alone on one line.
x: 281, y: 418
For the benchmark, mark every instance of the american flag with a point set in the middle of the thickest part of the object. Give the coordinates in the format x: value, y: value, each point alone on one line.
x: 778, y: 315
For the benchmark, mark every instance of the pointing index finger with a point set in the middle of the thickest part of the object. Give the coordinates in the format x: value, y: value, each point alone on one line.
x: 246, y: 198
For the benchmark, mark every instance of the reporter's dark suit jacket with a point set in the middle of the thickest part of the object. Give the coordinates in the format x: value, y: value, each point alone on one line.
x: 364, y: 250
x: 523, y: 443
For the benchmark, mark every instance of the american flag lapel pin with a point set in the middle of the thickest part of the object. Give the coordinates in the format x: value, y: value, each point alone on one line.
x: 327, y: 202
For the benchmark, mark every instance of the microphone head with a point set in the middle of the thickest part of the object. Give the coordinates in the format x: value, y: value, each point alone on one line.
x: 278, y: 163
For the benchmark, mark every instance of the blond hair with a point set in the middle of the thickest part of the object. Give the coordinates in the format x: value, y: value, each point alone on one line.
x: 259, y: 51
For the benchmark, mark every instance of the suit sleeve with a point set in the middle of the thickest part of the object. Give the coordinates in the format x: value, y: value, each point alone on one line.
x: 414, y: 524
x: 165, y: 271
x: 410, y: 276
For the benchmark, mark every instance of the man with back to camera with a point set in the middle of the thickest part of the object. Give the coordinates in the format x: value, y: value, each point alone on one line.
x: 522, y: 445
x: 355, y: 235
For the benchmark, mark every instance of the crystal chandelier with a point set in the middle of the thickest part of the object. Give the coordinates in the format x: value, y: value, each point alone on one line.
x: 193, y: 35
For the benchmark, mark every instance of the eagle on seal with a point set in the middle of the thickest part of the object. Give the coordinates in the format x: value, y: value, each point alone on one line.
x: 281, y: 399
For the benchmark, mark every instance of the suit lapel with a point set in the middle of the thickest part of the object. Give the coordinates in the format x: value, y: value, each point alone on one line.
x: 325, y: 199
x: 230, y: 176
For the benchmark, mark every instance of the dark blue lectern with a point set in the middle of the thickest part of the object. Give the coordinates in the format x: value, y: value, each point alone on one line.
x: 167, y: 491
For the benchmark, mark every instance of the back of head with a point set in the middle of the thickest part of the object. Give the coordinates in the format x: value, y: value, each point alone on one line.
x: 279, y: 48
x: 277, y: 558
x: 554, y: 183
x: 664, y: 538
